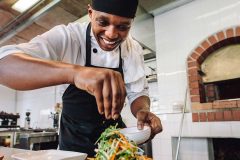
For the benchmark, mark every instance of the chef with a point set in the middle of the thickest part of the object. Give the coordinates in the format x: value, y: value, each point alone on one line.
x: 98, y: 63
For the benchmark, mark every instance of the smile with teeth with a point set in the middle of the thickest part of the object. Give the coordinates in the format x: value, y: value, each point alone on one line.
x: 108, y: 42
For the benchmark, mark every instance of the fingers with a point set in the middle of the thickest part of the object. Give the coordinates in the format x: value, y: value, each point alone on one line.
x: 147, y: 118
x: 156, y: 126
x: 141, y: 119
x: 119, y: 94
x: 106, y: 85
x: 110, y: 94
x: 99, y: 99
x: 107, y: 97
x: 123, y: 93
x: 116, y: 93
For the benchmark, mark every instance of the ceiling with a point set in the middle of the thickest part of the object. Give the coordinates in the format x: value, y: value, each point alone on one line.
x: 18, y: 27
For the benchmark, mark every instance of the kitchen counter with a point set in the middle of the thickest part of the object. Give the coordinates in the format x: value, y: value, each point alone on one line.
x: 7, y: 152
x: 29, y: 137
x: 27, y: 140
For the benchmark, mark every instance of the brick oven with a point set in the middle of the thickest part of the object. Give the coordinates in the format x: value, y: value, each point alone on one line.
x: 214, y: 77
x: 214, y: 85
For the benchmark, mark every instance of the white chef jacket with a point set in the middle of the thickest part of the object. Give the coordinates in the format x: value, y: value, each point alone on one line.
x: 68, y: 44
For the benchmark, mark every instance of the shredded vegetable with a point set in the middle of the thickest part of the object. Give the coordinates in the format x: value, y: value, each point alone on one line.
x: 112, y: 145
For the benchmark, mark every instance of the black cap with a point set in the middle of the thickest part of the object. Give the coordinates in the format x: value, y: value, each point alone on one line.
x: 123, y: 8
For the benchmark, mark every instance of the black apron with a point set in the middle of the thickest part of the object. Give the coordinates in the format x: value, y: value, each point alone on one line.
x: 81, y: 124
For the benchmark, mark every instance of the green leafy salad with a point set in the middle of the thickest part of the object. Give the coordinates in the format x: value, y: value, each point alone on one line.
x: 112, y: 145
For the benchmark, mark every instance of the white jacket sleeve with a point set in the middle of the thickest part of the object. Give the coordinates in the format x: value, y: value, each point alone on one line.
x: 134, y: 70
x: 53, y: 44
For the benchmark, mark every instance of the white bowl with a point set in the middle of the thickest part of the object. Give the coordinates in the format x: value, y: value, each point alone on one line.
x: 136, y: 135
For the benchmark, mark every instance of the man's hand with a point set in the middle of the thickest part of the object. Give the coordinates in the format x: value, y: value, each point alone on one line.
x: 106, y: 85
x: 145, y: 117
x: 140, y: 109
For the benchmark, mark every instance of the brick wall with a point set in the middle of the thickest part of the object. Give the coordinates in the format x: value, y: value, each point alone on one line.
x: 204, y: 106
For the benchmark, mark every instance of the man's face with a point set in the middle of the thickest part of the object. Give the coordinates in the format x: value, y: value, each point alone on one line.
x: 109, y: 30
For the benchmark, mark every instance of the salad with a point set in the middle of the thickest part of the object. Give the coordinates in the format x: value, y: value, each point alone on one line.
x: 113, y: 145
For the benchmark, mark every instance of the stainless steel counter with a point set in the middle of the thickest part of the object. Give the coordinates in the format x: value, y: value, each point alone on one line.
x: 27, y: 140
x: 29, y: 136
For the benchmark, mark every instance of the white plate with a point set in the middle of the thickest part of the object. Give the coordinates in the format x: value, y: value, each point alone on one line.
x: 50, y: 155
x: 136, y: 135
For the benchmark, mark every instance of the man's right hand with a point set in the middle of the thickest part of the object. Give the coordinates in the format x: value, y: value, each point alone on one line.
x: 106, y: 85
x: 24, y: 72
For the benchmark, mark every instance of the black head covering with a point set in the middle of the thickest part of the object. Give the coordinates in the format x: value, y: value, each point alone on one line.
x: 123, y: 8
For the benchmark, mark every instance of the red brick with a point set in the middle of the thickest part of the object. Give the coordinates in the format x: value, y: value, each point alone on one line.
x: 194, y: 92
x: 220, y: 36
x: 229, y: 33
x: 202, y: 117
x: 216, y: 105
x: 224, y: 104
x: 193, y: 64
x: 238, y: 31
x: 227, y: 115
x: 196, y: 106
x: 236, y: 115
x: 193, y: 72
x: 219, y: 116
x: 195, y: 117
x: 199, y: 50
x: 207, y: 106
x: 194, y: 85
x: 212, y: 40
x: 211, y: 116
x: 205, y: 45
x: 238, y: 103
x: 193, y: 78
x: 195, y: 56
x: 195, y: 98
x: 190, y: 59
x: 230, y: 104
x: 201, y: 106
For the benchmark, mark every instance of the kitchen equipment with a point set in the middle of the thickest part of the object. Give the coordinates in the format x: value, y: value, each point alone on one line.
x: 8, y: 120
x: 50, y: 155
x: 136, y: 135
x: 27, y: 120
x: 6, y: 139
x: 55, y: 117
x: 38, y: 140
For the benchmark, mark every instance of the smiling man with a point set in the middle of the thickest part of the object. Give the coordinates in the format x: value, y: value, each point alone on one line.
x: 98, y: 65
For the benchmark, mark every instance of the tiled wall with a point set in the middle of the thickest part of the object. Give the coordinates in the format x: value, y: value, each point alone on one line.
x: 178, y: 32
x: 40, y: 103
x: 7, y: 100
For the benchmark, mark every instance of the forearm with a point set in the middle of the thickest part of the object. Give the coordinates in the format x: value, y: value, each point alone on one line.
x: 141, y: 103
x: 22, y: 72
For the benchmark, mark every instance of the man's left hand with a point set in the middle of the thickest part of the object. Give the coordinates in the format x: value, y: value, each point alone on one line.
x: 145, y: 117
